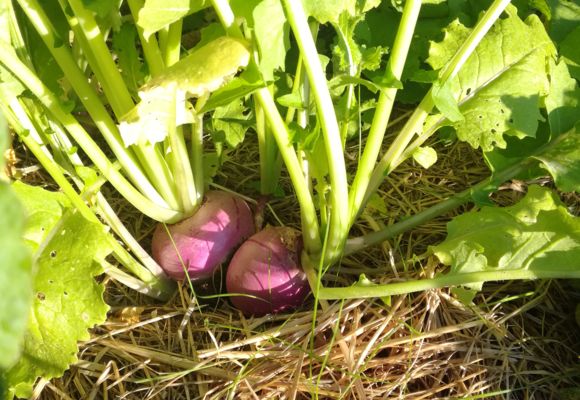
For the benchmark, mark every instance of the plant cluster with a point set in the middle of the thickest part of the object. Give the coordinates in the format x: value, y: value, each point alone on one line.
x: 150, y: 97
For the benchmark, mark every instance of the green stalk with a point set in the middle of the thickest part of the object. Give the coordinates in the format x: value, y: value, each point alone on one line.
x: 110, y: 79
x: 60, y: 143
x: 226, y: 17
x: 339, y: 213
x: 89, y: 98
x: 196, y: 156
x: 181, y: 167
x: 154, y: 286
x: 265, y: 168
x: 310, y: 228
x: 414, y: 125
x: 357, y: 244
x: 455, y: 279
x: 31, y: 81
x: 150, y: 46
x: 394, y: 70
x: 172, y: 51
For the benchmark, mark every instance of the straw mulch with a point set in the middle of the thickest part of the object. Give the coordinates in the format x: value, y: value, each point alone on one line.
x: 518, y: 341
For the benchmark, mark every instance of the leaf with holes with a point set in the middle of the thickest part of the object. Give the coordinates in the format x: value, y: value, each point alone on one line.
x: 67, y: 299
x: 499, y: 89
x: 537, y: 235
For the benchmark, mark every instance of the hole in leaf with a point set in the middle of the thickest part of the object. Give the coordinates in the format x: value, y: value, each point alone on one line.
x: 50, y: 281
x: 493, y: 130
x: 468, y: 91
x: 511, y: 120
x: 53, y: 254
x: 480, y: 116
x: 65, y: 293
x: 501, y: 110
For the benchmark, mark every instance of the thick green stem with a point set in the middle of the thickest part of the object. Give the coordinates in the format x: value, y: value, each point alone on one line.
x: 172, y: 51
x: 109, y: 171
x: 151, y: 284
x: 196, y: 156
x: 111, y: 81
x: 339, y: 213
x: 455, y: 279
x: 89, y: 98
x: 356, y: 244
x: 394, y: 70
x: 414, y: 125
x: 310, y: 228
x: 150, y: 46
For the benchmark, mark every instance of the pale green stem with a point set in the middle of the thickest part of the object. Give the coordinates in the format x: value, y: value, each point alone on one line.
x: 152, y: 284
x: 450, y: 279
x: 196, y: 156
x: 394, y: 70
x: 111, y: 81
x: 172, y: 50
x: 359, y: 243
x: 339, y: 213
x: 414, y: 125
x: 89, y: 99
x: 150, y: 46
x: 310, y: 228
x: 31, y: 81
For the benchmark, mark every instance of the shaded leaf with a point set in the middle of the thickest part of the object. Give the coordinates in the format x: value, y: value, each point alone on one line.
x: 562, y: 160
x: 272, y: 34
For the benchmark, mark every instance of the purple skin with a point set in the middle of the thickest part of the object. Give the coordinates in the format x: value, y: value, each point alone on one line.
x: 267, y: 266
x: 205, y: 239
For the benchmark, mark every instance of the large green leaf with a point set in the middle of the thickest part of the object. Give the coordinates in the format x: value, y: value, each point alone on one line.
x: 67, y: 299
x: 164, y: 99
x: 500, y: 86
x: 15, y: 269
x: 536, y: 234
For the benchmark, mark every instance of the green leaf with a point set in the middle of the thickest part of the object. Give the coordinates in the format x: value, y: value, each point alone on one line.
x: 164, y: 99
x: 570, y: 52
x: 128, y: 59
x: 157, y: 14
x: 328, y: 10
x: 237, y: 88
x: 225, y: 120
x: 425, y: 156
x: 537, y: 234
x: 15, y: 269
x: 565, y: 18
x: 101, y: 7
x: 499, y: 87
x: 563, y: 101
x: 67, y: 299
x: 445, y: 102
x: 562, y: 160
x: 272, y: 34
